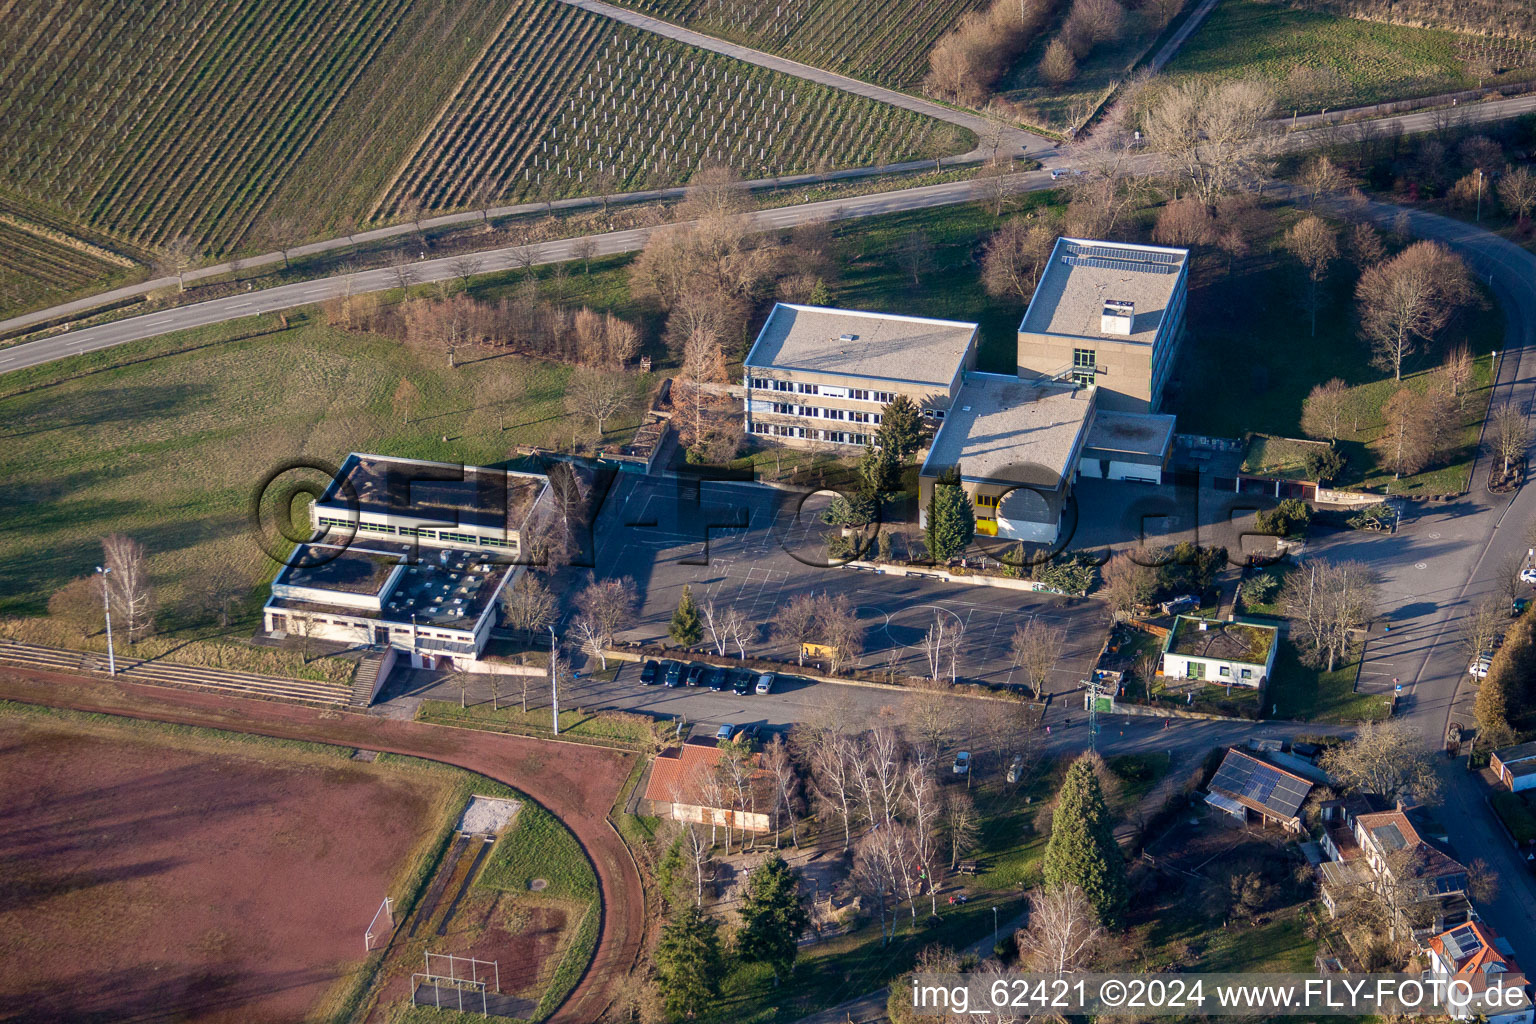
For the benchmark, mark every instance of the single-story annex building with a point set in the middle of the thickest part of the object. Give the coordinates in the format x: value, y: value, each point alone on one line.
x: 1235, y: 653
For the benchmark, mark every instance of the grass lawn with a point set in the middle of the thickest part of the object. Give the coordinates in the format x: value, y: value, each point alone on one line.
x: 1321, y: 60
x: 616, y: 728
x: 1514, y: 810
x: 1269, y: 357
x: 1299, y: 692
x: 167, y: 440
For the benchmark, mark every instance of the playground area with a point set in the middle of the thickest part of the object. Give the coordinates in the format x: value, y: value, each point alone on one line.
x: 150, y: 872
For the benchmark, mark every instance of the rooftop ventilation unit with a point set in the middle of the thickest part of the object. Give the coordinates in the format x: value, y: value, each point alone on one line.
x: 847, y: 337
x: 1117, y: 317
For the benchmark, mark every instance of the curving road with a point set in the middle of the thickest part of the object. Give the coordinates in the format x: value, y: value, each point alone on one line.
x: 577, y: 783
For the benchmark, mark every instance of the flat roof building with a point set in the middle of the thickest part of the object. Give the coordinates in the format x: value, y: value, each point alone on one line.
x: 1109, y: 315
x: 816, y: 374
x: 1016, y: 444
x: 408, y: 555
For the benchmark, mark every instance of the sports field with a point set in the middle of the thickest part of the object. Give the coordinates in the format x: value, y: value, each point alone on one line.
x: 154, y: 873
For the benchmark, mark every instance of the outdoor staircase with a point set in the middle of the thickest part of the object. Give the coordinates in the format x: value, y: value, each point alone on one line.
x: 192, y: 677
x: 364, y: 682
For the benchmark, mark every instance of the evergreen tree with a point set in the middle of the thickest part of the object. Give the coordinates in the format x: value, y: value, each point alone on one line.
x: 1082, y: 850
x: 901, y: 428
x: 856, y: 509
x: 772, y: 917
x: 951, y: 521
x: 688, y: 961
x: 821, y: 295
x: 880, y: 469
x: 686, y: 627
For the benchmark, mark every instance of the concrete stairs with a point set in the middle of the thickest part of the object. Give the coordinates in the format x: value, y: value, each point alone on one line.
x: 192, y: 677
x: 365, y: 681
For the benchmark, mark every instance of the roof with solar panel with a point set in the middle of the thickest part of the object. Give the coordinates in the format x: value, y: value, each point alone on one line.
x: 1260, y: 785
x: 1086, y: 279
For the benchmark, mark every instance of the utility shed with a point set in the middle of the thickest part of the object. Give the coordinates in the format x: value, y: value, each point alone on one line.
x: 1245, y: 786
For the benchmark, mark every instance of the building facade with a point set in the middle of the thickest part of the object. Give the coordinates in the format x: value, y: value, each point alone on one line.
x: 1108, y: 315
x: 818, y: 375
x: 1220, y: 652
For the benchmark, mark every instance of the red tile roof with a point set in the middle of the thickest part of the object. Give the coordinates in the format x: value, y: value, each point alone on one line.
x: 677, y: 773
x: 1476, y: 961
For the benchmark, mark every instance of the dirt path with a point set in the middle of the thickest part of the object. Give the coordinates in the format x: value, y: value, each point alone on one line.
x: 578, y: 784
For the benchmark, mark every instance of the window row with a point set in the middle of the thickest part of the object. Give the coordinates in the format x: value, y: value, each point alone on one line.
x: 816, y: 412
x: 410, y: 531
x: 811, y: 434
x: 802, y: 388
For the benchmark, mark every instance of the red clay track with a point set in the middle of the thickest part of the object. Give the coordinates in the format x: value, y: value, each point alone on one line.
x: 577, y: 783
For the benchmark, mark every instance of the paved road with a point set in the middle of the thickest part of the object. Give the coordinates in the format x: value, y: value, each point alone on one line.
x: 1444, y: 561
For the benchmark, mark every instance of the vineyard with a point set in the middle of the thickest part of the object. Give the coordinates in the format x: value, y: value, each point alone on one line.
x: 152, y: 119
x: 37, y: 267
x: 570, y: 103
x: 886, y: 43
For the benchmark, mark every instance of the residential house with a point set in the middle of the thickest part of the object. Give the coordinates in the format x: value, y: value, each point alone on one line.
x: 1482, y: 960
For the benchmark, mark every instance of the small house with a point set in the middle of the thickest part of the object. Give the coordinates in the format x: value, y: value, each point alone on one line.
x: 1226, y: 653
x: 694, y: 783
x: 1515, y: 766
x: 1248, y: 788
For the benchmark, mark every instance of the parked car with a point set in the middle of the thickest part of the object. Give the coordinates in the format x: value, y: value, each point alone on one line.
x: 752, y: 732
x: 1058, y: 173
x: 649, y: 673
x: 1518, y: 606
x: 1528, y: 574
x: 724, y: 732
x: 716, y: 679
x: 1016, y: 769
x: 1184, y: 602
x: 765, y: 683
x: 674, y: 674
x: 741, y: 681
x: 695, y: 674
x: 962, y: 762
x: 1479, y: 668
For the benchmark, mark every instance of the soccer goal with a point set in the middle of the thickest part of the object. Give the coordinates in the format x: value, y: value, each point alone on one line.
x: 374, y: 932
x: 456, y: 982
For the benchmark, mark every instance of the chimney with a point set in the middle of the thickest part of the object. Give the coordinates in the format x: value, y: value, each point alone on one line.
x: 1117, y: 317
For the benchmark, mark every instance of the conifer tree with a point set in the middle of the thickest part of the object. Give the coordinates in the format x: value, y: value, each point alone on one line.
x: 688, y: 961
x: 951, y: 521
x: 1082, y: 850
x: 772, y: 917
x: 686, y: 627
x: 901, y: 427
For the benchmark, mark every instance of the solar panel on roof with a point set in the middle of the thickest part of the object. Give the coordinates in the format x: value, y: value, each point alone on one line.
x: 1108, y: 263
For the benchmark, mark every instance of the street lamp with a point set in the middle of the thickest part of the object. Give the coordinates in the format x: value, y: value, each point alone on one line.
x: 995, y: 929
x: 106, y: 606
x: 1479, y: 195
x: 554, y: 680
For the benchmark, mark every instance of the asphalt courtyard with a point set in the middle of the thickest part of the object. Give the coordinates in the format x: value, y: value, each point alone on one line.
x: 752, y: 547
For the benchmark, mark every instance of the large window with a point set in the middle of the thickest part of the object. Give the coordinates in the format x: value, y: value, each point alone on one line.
x: 1085, y: 363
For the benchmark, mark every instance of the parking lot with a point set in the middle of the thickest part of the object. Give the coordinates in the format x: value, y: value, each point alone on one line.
x: 753, y: 547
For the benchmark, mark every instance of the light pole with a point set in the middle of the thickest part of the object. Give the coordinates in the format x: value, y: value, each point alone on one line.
x: 106, y: 606
x: 995, y: 929
x: 1479, y: 195
x: 554, y: 677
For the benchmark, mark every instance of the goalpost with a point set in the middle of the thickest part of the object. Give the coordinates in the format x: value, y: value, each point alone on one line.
x: 458, y: 986
x: 387, y: 909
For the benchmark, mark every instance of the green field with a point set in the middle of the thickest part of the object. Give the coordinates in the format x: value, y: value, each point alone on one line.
x: 1271, y: 359
x: 245, y: 126
x: 886, y: 43
x: 1317, y: 60
x: 166, y: 440
x: 553, y: 109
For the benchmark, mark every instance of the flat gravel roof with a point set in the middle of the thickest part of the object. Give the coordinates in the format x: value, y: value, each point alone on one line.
x: 1083, y: 274
x: 878, y: 346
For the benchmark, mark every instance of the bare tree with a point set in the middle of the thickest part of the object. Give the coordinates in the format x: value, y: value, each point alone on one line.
x: 1211, y: 132
x: 915, y: 254
x: 1063, y: 932
x: 1517, y: 191
x: 132, y: 598
x: 1327, y: 602
x: 1457, y: 373
x: 529, y: 606
x: 1408, y: 299
x: 407, y: 397
x: 1481, y: 628
x: 465, y: 267
x: 834, y: 767
x: 598, y: 395
x: 1315, y: 243
x: 1409, y: 432
x: 1014, y: 257
x: 460, y: 679
x: 838, y: 629
x: 1365, y: 246
x: 940, y: 644
x: 1322, y: 414
x: 1128, y: 584
x: 308, y: 629
x: 607, y: 606
x: 929, y: 715
x: 962, y: 825
x: 786, y: 785
x: 1037, y: 649
x: 726, y: 626
x: 1511, y: 434
x: 584, y: 248
x: 180, y: 255
x: 1320, y: 176
x: 925, y: 810
x: 874, y: 874
x: 795, y: 623
x: 1387, y: 758
x: 404, y: 272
